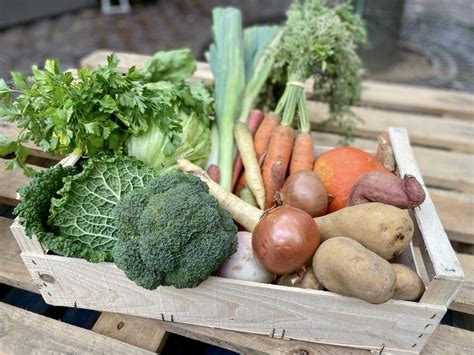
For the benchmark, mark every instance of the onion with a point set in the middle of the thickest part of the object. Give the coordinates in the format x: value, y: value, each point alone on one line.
x: 304, y: 190
x: 284, y: 239
x: 243, y: 265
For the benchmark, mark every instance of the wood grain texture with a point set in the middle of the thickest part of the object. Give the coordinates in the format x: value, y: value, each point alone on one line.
x: 10, y: 181
x: 11, y: 131
x: 447, y: 269
x: 253, y: 344
x: 377, y: 94
x: 456, y: 211
x: 445, y: 133
x: 464, y: 301
x: 450, y: 340
x: 23, y: 332
x: 316, y: 316
x: 12, y: 269
x: 144, y: 333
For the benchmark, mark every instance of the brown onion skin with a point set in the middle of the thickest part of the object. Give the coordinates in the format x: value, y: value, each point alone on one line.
x: 285, y: 239
x: 304, y: 190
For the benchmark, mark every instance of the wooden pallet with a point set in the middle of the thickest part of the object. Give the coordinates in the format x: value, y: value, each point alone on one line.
x: 440, y: 127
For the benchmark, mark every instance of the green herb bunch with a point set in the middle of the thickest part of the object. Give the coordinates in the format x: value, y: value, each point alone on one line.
x: 320, y: 41
x: 99, y: 109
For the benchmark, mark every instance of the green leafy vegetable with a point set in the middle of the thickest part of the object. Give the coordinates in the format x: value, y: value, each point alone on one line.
x: 192, y: 105
x: 81, y: 217
x: 100, y: 109
x: 321, y: 41
x: 33, y: 210
x: 172, y: 232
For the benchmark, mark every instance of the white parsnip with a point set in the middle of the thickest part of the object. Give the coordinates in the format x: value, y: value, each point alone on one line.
x: 242, y: 212
x: 244, y: 141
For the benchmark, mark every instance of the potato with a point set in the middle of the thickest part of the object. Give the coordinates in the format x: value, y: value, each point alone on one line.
x: 386, y: 230
x: 344, y: 266
x: 409, y: 286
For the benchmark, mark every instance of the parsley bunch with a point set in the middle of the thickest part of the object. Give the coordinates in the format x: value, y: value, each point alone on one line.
x: 319, y: 41
x: 100, y: 109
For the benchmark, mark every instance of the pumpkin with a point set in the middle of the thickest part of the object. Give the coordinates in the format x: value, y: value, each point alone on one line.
x: 339, y: 168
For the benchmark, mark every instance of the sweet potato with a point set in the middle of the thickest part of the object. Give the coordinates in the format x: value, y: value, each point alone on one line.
x: 344, y: 266
x: 384, y: 229
x: 409, y: 286
x: 387, y: 188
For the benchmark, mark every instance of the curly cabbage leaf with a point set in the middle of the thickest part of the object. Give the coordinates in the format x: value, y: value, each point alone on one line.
x: 82, y: 216
x: 33, y: 210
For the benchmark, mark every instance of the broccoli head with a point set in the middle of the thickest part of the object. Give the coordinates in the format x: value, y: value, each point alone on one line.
x: 172, y: 233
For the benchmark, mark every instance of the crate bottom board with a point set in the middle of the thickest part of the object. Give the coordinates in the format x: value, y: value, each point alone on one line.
x: 277, y: 311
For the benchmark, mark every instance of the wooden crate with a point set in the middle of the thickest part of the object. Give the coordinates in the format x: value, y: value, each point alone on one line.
x: 277, y: 311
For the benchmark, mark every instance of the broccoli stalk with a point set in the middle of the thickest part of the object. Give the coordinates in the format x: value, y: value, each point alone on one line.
x: 172, y: 233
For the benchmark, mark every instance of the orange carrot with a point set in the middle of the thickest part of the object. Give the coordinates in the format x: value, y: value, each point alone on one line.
x: 264, y: 132
x: 279, y: 149
x: 278, y: 175
x: 254, y: 120
x: 302, y: 157
x: 213, y: 172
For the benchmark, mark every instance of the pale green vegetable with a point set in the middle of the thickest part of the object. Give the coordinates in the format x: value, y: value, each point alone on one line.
x: 227, y: 66
x: 195, y: 144
x: 82, y: 217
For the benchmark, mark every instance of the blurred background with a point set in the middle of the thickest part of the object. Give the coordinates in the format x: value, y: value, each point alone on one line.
x: 420, y: 42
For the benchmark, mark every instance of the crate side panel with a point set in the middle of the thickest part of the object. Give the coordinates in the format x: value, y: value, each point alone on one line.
x: 24, y: 242
x: 442, y: 257
x: 315, y: 316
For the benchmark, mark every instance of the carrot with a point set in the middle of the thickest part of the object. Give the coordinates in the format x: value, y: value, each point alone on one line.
x: 279, y: 149
x: 254, y: 178
x: 302, y: 157
x: 254, y: 120
x: 214, y: 173
x: 242, y: 212
x: 264, y: 132
x: 261, y: 140
x: 278, y: 175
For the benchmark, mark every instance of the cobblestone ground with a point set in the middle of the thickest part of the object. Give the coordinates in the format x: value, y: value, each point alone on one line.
x: 186, y: 23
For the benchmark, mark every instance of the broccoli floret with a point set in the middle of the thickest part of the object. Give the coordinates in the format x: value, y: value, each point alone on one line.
x: 172, y: 233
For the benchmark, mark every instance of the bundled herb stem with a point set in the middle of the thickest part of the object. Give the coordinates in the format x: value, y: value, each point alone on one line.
x: 319, y: 41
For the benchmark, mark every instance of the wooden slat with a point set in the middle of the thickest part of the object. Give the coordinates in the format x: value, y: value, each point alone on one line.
x: 252, y: 344
x: 12, y: 269
x: 425, y: 130
x: 10, y: 181
x: 377, y: 94
x: 448, y: 274
x: 23, y: 332
x: 456, y: 211
x: 142, y: 332
x: 464, y: 301
x: 238, y: 305
x: 449, y: 340
x: 410, y: 98
x: 11, y: 131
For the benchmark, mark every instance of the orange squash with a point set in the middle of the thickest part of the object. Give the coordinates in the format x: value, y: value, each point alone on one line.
x: 339, y: 168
